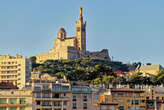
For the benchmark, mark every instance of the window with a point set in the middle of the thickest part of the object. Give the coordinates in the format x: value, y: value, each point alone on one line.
x: 74, y: 105
x: 134, y: 95
x: 121, y: 108
x: 2, y: 101
x: 57, y: 104
x: 104, y: 107
x: 85, y: 105
x: 45, y: 87
x: 74, y: 98
x: 46, y: 95
x: 113, y: 94
x: 56, y: 95
x: 65, y: 103
x: 22, y: 108
x: 22, y: 101
x: 162, y: 98
x: 120, y: 94
x: 135, y: 102
x: 37, y: 102
x: 96, y: 97
x: 36, y: 88
x: 85, y: 98
x: 121, y: 101
x: 2, y: 108
x: 13, y: 101
x: 46, y: 103
x: 13, y: 108
x: 112, y: 108
x: 142, y: 101
x: 78, y: 28
x: 56, y: 87
x: 157, y: 98
x: 38, y: 95
x: 65, y: 88
x: 128, y: 100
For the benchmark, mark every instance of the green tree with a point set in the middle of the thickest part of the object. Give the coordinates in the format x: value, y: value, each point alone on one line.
x: 159, y: 78
x: 33, y: 59
x: 136, y: 78
x: 108, y: 80
x: 97, y: 81
x: 59, y: 75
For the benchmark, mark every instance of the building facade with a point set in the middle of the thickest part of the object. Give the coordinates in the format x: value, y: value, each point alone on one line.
x: 51, y: 95
x: 14, y: 99
x: 84, y: 98
x: 133, y: 99
x: 149, y: 69
x: 71, y: 47
x: 15, y: 70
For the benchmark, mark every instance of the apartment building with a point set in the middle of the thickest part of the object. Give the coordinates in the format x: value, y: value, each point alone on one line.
x: 84, y: 98
x: 11, y: 98
x: 15, y: 70
x: 51, y: 95
x: 133, y: 99
x: 108, y: 106
x: 149, y: 69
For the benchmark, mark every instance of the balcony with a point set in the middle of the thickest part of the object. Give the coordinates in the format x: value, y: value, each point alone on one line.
x: 46, y: 106
x: 13, y: 105
x: 53, y: 99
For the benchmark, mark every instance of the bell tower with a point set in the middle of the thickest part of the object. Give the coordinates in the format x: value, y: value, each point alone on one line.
x: 81, y: 32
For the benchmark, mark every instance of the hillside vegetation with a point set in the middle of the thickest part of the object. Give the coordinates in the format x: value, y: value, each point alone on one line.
x: 86, y: 69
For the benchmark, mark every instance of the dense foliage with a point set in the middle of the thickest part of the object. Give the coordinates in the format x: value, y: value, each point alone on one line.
x: 96, y: 71
x: 86, y: 69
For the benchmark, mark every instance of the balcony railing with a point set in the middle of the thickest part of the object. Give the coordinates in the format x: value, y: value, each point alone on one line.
x: 12, y: 105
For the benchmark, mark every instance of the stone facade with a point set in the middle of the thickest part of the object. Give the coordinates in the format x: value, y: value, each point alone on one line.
x: 71, y: 47
x: 149, y: 69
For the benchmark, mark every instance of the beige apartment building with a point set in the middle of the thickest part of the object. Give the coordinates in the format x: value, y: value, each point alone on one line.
x: 133, y: 99
x: 15, y: 70
x: 12, y: 98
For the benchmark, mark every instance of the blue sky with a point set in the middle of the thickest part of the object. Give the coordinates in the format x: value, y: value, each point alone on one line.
x: 132, y: 30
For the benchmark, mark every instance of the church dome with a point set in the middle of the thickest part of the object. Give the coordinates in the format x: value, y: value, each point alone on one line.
x: 62, y: 33
x: 61, y: 30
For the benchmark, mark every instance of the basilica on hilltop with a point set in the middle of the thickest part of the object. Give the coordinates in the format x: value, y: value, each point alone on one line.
x: 71, y: 47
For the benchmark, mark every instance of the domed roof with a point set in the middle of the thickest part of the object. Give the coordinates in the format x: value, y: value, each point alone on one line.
x: 62, y: 34
x: 61, y: 30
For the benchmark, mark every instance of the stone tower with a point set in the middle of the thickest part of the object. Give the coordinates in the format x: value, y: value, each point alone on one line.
x: 81, y: 32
